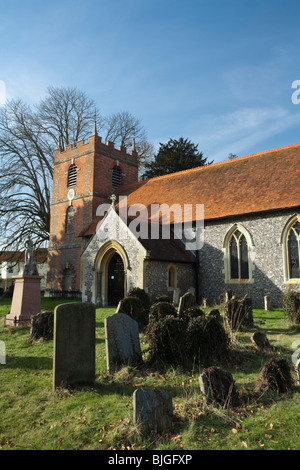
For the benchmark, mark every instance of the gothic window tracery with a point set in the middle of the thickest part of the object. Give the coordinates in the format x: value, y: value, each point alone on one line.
x: 293, y: 251
x: 238, y: 255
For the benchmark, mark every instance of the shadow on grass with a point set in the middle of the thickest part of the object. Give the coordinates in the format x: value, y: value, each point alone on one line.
x: 29, y: 362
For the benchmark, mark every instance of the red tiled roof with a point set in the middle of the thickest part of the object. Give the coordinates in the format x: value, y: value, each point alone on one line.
x: 260, y: 182
x: 255, y: 183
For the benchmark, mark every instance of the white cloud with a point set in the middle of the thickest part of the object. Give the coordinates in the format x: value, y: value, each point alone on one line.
x: 239, y: 131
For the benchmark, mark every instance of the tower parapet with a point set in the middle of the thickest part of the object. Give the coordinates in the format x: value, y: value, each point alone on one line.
x: 84, y: 176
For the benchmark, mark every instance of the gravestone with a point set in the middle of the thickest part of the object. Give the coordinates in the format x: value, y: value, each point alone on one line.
x: 297, y: 368
x: 260, y: 341
x: 267, y: 302
x: 122, y: 341
x: 186, y: 301
x: 176, y: 296
x: 238, y: 313
x: 276, y: 375
x: 152, y: 411
x: 218, y: 386
x: 2, y: 353
x: 74, y: 345
x: 42, y: 325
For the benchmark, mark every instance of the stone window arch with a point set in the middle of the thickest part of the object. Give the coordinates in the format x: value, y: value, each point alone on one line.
x: 238, y: 255
x: 172, y: 276
x: 290, y: 240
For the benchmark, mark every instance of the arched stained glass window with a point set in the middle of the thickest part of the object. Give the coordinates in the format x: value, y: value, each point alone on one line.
x: 293, y: 248
x: 238, y: 254
x: 172, y: 276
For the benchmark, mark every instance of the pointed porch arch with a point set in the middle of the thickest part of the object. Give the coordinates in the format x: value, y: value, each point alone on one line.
x: 112, y: 272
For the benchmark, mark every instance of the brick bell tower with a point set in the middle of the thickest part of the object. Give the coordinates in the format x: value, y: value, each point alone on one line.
x: 84, y: 177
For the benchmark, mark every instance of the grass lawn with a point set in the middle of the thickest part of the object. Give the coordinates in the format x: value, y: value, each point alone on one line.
x: 34, y: 417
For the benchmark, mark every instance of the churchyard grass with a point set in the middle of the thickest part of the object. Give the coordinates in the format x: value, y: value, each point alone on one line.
x: 32, y: 416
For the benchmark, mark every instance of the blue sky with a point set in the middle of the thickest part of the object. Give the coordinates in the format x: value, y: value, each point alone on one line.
x: 218, y: 72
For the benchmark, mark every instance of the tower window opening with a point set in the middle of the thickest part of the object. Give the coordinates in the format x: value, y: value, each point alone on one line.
x: 116, y: 176
x: 72, y: 176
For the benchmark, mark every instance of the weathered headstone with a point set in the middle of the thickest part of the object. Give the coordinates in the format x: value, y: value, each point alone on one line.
x: 192, y: 290
x: 176, y: 296
x: 152, y: 411
x: 122, y: 341
x: 238, y: 313
x: 261, y: 341
x: 186, y: 301
x: 42, y: 325
x: 267, y: 302
x: 74, y: 344
x: 297, y: 368
x: 218, y: 386
x: 2, y: 353
x: 276, y: 375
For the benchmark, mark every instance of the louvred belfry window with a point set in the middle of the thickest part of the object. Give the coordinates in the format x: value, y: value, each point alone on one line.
x: 116, y: 176
x: 72, y: 176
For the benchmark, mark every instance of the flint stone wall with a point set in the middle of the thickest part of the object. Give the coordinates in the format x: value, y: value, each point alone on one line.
x: 267, y: 254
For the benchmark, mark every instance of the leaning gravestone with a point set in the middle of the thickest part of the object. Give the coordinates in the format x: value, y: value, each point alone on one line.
x: 176, y: 296
x: 74, y: 345
x: 238, y: 313
x: 276, y: 376
x: 152, y: 411
x: 297, y: 368
x: 122, y: 342
x: 218, y: 386
x: 186, y: 301
x: 260, y: 341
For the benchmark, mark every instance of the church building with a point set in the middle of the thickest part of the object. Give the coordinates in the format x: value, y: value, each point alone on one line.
x: 109, y: 232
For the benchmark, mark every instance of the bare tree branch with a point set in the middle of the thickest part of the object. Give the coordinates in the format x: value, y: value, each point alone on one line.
x: 28, y: 139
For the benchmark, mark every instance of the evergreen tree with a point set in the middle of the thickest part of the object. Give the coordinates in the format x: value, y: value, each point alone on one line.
x: 174, y: 156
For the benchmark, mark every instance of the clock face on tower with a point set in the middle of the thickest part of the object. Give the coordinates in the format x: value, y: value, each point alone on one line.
x: 71, y: 194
